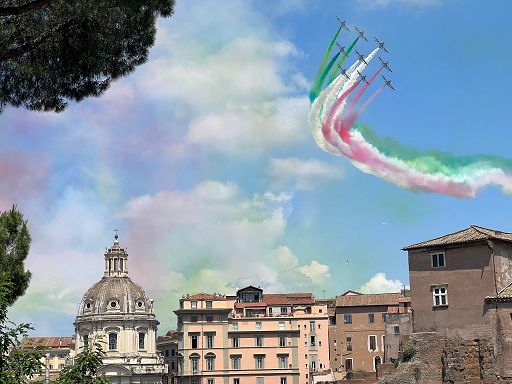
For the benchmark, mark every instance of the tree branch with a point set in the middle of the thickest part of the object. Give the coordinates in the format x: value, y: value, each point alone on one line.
x: 16, y: 52
x: 20, y: 9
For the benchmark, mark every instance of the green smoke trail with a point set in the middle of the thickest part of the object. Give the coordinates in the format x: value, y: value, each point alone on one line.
x: 431, y: 161
x: 317, y: 84
x: 335, y: 73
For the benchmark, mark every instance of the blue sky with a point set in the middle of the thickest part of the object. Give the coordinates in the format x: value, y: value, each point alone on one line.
x: 203, y: 157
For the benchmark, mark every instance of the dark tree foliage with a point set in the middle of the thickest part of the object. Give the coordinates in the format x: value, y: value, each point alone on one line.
x: 14, y: 247
x: 55, y: 51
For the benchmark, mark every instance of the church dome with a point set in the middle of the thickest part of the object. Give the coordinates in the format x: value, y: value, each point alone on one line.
x: 112, y: 295
x: 115, y: 293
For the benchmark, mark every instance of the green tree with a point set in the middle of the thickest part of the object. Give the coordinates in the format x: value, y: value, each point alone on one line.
x: 14, y: 246
x: 84, y: 370
x: 56, y: 51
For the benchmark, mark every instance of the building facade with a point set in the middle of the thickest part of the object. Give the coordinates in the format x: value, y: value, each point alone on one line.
x: 451, y: 276
x: 361, y: 329
x: 118, y: 313
x: 167, y: 346
x: 251, y: 338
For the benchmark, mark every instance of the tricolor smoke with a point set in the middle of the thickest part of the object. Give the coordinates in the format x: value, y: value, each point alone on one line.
x: 332, y: 117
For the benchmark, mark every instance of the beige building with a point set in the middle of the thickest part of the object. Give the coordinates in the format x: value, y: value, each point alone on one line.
x: 251, y: 338
x: 118, y: 312
x: 361, y: 329
x: 57, y: 353
x: 167, y: 346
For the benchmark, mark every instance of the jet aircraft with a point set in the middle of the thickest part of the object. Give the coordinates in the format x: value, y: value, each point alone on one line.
x: 342, y: 49
x: 343, y: 24
x: 388, y: 83
x: 361, y: 58
x: 385, y: 64
x: 381, y: 45
x: 363, y: 78
x: 344, y: 72
x: 361, y: 34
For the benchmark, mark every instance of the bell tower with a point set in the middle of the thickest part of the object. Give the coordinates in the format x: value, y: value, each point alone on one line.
x: 116, y: 260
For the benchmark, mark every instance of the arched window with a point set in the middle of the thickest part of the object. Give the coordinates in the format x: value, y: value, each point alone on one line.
x: 85, y: 339
x: 210, y: 361
x: 142, y: 339
x: 194, y: 363
x: 115, y: 264
x: 112, y: 341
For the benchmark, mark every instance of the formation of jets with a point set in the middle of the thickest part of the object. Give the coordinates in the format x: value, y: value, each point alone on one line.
x: 361, y: 57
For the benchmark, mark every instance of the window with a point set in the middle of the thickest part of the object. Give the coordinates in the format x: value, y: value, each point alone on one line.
x: 440, y: 294
x: 193, y: 304
x: 332, y: 320
x: 284, y: 310
x: 211, y: 381
x: 180, y: 364
x: 236, y: 381
x: 281, y: 325
x: 384, y: 315
x: 209, y: 341
x: 209, y: 304
x: 193, y: 319
x: 397, y: 329
x: 283, y: 362
x: 210, y: 363
x: 282, y: 341
x: 195, y: 381
x: 312, y: 366
x: 260, y: 362
x: 312, y: 340
x: 61, y: 366
x: 209, y: 319
x: 142, y: 339
x: 283, y: 380
x: 86, y: 341
x: 172, y: 365
x: 235, y: 362
x: 347, y: 318
x: 115, y: 264
x: 259, y: 380
x: 235, y: 326
x: 349, y: 364
x: 236, y: 342
x: 166, y: 353
x: 371, y: 318
x: 258, y: 325
x: 173, y: 352
x: 438, y: 260
x: 372, y: 343
x: 195, y: 364
x: 112, y: 341
x: 193, y: 341
x: 259, y: 341
x: 312, y: 326
x: 121, y: 265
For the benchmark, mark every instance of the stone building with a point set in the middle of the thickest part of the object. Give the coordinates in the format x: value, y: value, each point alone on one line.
x: 361, y: 322
x: 167, y: 346
x: 251, y: 338
x: 118, y: 313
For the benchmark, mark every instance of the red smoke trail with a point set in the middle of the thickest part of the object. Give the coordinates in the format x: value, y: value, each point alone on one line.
x: 344, y: 124
x: 327, y: 123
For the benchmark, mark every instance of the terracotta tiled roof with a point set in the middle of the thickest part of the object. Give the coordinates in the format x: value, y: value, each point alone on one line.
x: 349, y: 292
x: 205, y: 296
x: 504, y: 295
x: 48, y: 342
x: 473, y: 233
x: 289, y: 299
x: 406, y: 299
x: 367, y: 300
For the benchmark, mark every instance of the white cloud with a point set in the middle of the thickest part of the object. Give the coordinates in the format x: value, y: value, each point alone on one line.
x: 212, y: 237
x: 401, y: 3
x: 301, y: 174
x: 379, y: 283
x: 316, y: 272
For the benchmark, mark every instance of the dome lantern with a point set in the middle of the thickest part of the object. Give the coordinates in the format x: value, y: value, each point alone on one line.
x: 116, y: 260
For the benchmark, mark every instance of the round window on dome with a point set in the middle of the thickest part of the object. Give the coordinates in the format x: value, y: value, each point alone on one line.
x: 113, y: 304
x: 140, y: 304
x: 88, y: 306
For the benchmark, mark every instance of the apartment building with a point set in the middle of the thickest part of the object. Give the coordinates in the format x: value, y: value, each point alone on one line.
x: 361, y: 329
x: 167, y: 346
x: 57, y: 353
x: 251, y: 338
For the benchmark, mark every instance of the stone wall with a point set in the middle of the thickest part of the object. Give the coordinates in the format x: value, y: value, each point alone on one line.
x: 440, y: 359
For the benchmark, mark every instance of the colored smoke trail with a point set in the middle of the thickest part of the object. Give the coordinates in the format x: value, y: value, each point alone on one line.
x: 334, y: 73
x: 332, y: 120
x: 317, y: 83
